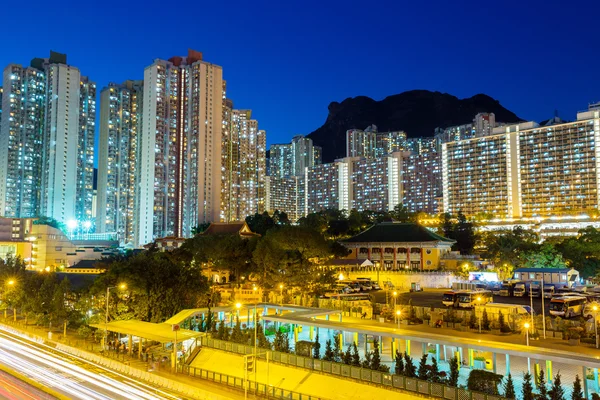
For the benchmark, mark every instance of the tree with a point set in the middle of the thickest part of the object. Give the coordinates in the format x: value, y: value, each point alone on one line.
x: 485, y: 320
x: 367, y: 361
x: 279, y: 341
x: 527, y: 387
x: 347, y: 357
x: 236, y: 334
x: 501, y: 322
x: 507, y: 248
x: 541, y: 384
x: 355, y: 355
x: 263, y: 342
x: 337, y: 350
x: 464, y: 234
x: 317, y: 348
x: 483, y: 381
x: 198, y: 229
x: 375, y: 357
x: 422, y: 372
x: 577, y: 393
x: 454, y: 371
x: 409, y: 366
x: 329, y: 354
x: 43, y: 220
x: 556, y: 392
x: 434, y: 371
x: 582, y: 252
x: 402, y: 214
x: 509, y: 388
x: 546, y: 257
x: 472, y: 320
x: 399, y: 364
x: 260, y: 223
x: 286, y: 344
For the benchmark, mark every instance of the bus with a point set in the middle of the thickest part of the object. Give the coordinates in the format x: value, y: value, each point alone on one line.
x: 472, y: 298
x: 567, y: 306
x: 450, y: 298
x: 351, y: 297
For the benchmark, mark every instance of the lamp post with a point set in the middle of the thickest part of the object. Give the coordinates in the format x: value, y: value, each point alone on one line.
x: 122, y: 286
x: 237, y: 307
x: 478, y: 304
x: 11, y: 283
x: 398, y: 312
x: 595, y: 308
x: 281, y: 293
x: 255, y: 289
x: 526, y: 326
x: 395, y: 294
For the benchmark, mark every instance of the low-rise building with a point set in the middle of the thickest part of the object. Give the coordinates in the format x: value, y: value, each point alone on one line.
x: 399, y: 246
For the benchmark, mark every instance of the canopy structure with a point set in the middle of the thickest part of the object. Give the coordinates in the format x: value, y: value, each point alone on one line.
x: 191, y: 312
x: 162, y: 333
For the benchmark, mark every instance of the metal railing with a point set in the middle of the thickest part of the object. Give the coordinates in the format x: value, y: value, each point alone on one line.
x: 256, y: 388
x: 358, y: 374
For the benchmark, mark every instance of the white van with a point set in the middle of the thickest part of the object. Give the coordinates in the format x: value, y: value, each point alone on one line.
x: 507, y: 309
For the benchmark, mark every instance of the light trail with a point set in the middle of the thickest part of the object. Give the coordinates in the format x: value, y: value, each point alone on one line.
x: 55, y: 369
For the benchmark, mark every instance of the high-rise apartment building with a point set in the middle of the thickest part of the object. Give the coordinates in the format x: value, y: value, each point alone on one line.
x: 288, y: 195
x: 180, y: 146
x: 324, y: 187
x: 85, y: 153
x: 244, y: 167
x: 422, y: 181
x: 371, y: 143
x: 375, y: 183
x: 303, y: 155
x: 526, y: 170
x: 120, y: 123
x: 44, y: 149
x: 280, y: 161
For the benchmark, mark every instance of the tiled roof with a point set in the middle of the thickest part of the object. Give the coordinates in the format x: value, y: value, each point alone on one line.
x: 222, y: 228
x: 396, y: 232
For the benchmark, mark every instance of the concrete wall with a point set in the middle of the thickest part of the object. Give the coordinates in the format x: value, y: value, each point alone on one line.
x: 403, y: 280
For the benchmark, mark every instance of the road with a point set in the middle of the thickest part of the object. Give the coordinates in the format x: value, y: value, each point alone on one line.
x: 433, y: 298
x: 13, y: 389
x: 69, y: 375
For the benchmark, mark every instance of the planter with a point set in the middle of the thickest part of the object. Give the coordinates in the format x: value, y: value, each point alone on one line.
x: 495, y: 331
x: 574, y: 342
x: 558, y: 335
x: 461, y: 328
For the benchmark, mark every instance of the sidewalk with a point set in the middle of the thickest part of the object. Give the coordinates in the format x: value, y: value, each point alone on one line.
x: 295, y: 379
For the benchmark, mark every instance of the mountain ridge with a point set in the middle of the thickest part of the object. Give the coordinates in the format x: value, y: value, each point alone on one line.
x: 417, y: 112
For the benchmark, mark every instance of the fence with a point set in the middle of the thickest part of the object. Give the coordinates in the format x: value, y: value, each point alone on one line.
x: 359, y: 374
x: 259, y: 389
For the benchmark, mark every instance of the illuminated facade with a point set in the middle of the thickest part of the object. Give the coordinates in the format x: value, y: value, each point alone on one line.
x: 370, y: 143
x: 180, y: 147
x: 46, y: 140
x: 375, y: 183
x: 288, y: 195
x: 120, y: 118
x: 323, y: 187
x: 526, y: 171
x: 244, y: 167
x: 422, y: 181
x: 85, y: 152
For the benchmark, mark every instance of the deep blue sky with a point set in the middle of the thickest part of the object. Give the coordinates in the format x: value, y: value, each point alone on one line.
x: 287, y: 60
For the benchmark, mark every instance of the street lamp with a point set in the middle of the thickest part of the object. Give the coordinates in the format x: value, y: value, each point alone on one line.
x: 122, y: 286
x: 395, y: 294
x: 478, y: 304
x: 398, y: 317
x: 255, y: 289
x: 11, y: 283
x: 72, y: 225
x: 595, y: 308
x: 281, y: 293
x: 526, y: 326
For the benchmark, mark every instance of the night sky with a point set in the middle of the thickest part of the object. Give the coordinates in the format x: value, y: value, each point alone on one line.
x: 287, y: 60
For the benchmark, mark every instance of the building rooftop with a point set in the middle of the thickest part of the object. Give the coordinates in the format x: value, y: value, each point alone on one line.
x: 223, y: 228
x: 544, y: 270
x: 394, y: 232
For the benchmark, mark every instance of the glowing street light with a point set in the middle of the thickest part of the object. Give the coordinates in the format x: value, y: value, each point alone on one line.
x: 595, y: 309
x: 122, y: 286
x: 479, y: 304
x: 526, y: 326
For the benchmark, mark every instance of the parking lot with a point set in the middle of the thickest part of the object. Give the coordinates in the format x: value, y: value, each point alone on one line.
x: 433, y: 298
